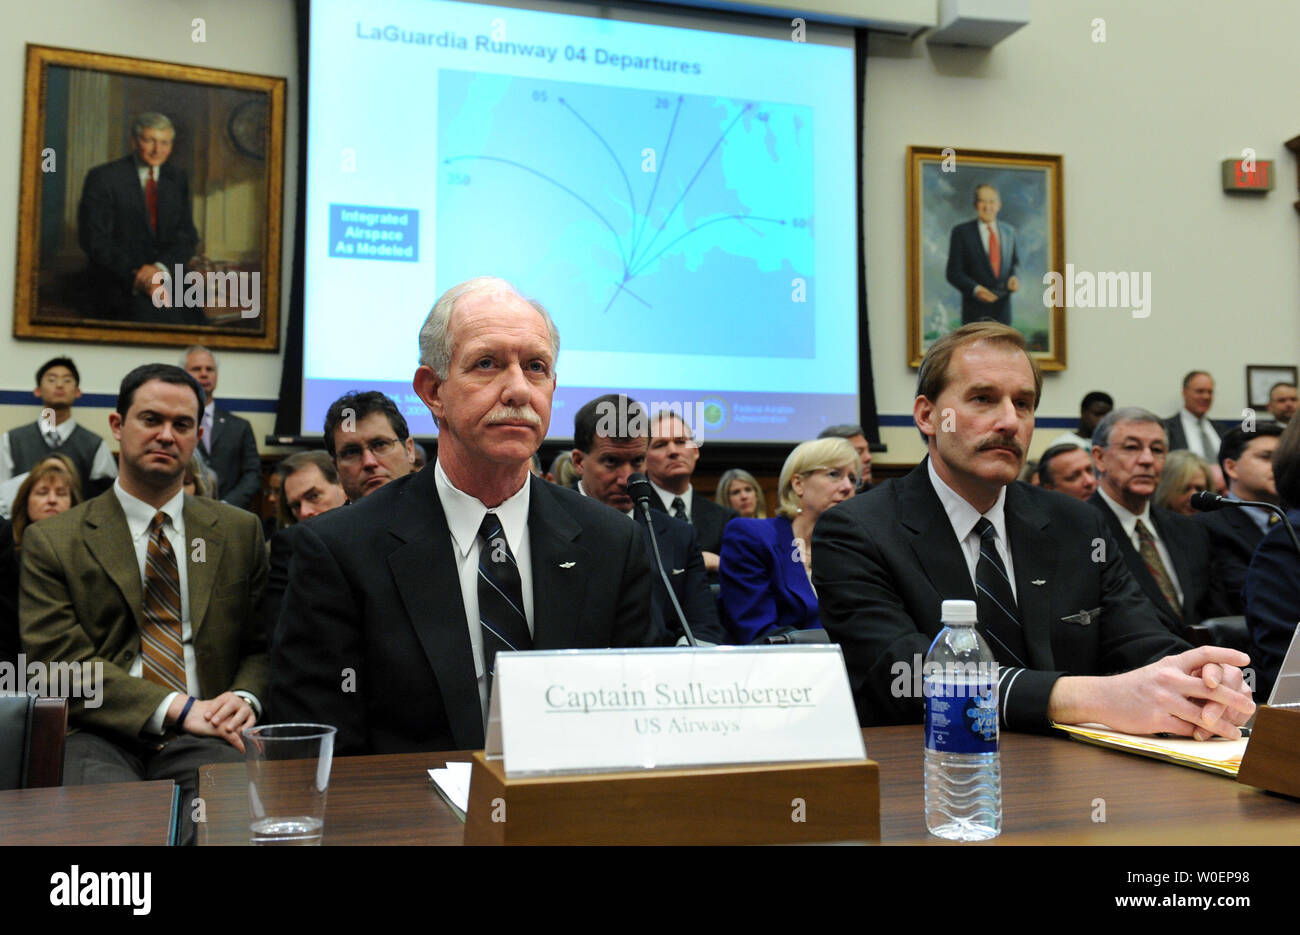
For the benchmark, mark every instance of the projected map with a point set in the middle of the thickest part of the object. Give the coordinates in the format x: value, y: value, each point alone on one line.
x: 668, y: 223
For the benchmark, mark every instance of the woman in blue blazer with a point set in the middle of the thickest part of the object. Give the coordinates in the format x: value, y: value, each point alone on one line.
x: 764, y: 564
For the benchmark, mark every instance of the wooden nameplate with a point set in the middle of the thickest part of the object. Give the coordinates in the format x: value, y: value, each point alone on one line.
x: 779, y: 803
x: 1272, y: 759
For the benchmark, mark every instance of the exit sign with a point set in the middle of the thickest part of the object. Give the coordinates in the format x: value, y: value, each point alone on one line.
x: 1247, y: 175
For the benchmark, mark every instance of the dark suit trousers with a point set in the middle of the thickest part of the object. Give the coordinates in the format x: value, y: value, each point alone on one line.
x: 90, y: 760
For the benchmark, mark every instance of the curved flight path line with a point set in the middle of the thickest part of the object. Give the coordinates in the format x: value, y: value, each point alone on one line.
x: 631, y: 200
x: 645, y: 218
x: 562, y: 187
x: 744, y: 110
x: 645, y: 264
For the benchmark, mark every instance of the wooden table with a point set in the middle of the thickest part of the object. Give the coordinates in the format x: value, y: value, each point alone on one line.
x: 113, y: 814
x: 1050, y: 788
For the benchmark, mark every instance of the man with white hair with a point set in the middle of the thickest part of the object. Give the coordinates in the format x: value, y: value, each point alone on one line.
x: 228, y: 445
x: 398, y: 605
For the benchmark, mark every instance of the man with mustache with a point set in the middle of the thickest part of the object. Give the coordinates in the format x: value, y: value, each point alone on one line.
x: 1168, y: 554
x: 398, y: 606
x: 1052, y: 593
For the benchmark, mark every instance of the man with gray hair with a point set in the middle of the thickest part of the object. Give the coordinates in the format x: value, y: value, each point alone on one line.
x: 858, y: 439
x: 415, y: 589
x: 1168, y: 554
x: 134, y: 219
x: 228, y: 445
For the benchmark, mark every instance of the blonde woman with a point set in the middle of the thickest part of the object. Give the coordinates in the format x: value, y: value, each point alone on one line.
x: 765, y: 564
x: 52, y: 487
x: 1184, y: 474
x: 741, y: 492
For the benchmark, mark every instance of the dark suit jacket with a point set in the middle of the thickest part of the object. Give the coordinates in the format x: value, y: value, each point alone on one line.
x: 969, y: 266
x: 685, y: 569
x: 373, y: 589
x: 707, y: 517
x: 113, y: 228
x: 1177, y: 437
x: 764, y: 585
x: 80, y: 601
x: 1233, y: 540
x: 234, y: 458
x: 1189, y: 549
x: 884, y: 562
x: 1272, y: 599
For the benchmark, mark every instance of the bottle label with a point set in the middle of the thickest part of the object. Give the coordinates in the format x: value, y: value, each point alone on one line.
x: 961, y: 716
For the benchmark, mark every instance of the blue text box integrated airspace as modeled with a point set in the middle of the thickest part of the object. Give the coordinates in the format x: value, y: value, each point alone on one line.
x: 362, y: 232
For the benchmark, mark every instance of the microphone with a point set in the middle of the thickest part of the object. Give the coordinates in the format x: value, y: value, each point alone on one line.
x: 639, y: 489
x: 1207, y: 502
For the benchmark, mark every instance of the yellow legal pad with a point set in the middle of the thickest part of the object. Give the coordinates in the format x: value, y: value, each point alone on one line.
x: 1216, y: 755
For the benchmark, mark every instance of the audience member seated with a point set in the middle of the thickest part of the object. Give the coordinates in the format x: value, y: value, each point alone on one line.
x: 271, y: 504
x: 1185, y: 473
x: 1190, y: 427
x: 413, y: 591
x: 1235, y: 532
x: 765, y: 567
x: 1092, y: 409
x: 606, y: 451
x: 421, y: 456
x: 1029, y: 474
x: 1067, y: 469
x: 227, y: 444
x: 671, y: 461
x: 367, y: 437
x: 562, y: 472
x: 1272, y: 589
x: 1167, y: 554
x: 856, y: 437
x: 739, y: 490
x: 1282, y: 403
x: 58, y: 386
x: 1049, y: 603
x: 199, y: 479
x: 158, y: 589
x: 51, y: 488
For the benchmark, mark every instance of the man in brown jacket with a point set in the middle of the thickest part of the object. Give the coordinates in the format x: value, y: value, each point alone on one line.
x: 158, y: 588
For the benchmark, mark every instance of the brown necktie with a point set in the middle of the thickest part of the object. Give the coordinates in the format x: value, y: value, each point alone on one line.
x: 995, y: 252
x: 151, y: 199
x: 161, y: 648
x: 1151, y: 557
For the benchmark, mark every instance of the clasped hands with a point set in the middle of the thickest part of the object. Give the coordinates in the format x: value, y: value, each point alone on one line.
x: 223, y: 716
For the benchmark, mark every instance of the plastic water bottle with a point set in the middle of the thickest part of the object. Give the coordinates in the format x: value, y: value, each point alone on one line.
x: 963, y: 776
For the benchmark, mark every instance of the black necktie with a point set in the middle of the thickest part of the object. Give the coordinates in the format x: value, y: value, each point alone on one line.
x: 679, y: 510
x: 500, y: 596
x: 998, y: 615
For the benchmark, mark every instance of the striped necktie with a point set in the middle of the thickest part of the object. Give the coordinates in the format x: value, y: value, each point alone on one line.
x: 1151, y: 558
x: 995, y: 603
x: 161, y: 648
x: 500, y: 596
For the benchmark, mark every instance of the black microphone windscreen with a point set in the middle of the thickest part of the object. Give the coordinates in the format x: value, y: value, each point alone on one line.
x: 1206, y: 501
x: 638, y: 488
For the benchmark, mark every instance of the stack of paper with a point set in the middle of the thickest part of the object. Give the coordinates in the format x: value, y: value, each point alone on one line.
x: 1216, y: 755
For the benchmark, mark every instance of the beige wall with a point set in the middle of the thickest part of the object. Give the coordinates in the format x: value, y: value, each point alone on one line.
x: 1143, y: 121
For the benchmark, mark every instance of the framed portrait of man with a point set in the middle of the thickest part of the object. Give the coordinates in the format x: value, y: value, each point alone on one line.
x: 150, y: 202
x: 984, y: 229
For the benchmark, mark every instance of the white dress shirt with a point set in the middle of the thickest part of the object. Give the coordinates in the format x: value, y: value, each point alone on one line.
x: 1129, y: 521
x: 668, y: 496
x: 964, y: 518
x: 1192, y: 429
x: 464, y: 516
x: 102, y: 467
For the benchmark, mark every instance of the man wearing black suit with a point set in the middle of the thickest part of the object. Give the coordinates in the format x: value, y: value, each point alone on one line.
x: 1246, y: 459
x: 1167, y: 554
x: 609, y: 444
x: 983, y: 260
x: 1053, y: 596
x: 228, y: 444
x: 1190, y: 427
x: 398, y: 604
x: 134, y: 221
x: 670, y: 462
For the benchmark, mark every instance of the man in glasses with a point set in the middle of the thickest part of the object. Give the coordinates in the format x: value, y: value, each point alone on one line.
x: 368, y: 439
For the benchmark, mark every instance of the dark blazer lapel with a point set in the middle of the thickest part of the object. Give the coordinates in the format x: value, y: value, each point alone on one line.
x: 1243, y: 528
x: 934, y: 543
x: 560, y: 569
x: 201, y: 523
x: 424, y: 572
x: 1133, y: 560
x: 218, y: 417
x: 108, y: 539
x: 1034, y: 555
x: 1178, y: 555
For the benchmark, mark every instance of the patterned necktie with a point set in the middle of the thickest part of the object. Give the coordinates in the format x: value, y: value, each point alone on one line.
x: 500, y: 596
x: 679, y: 510
x: 1151, y: 557
x: 161, y: 648
x: 995, y: 252
x: 151, y: 199
x: 994, y: 601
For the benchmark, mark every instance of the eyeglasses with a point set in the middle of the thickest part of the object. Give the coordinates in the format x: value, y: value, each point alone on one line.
x: 1134, y: 449
x: 834, y: 475
x: 376, y: 446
